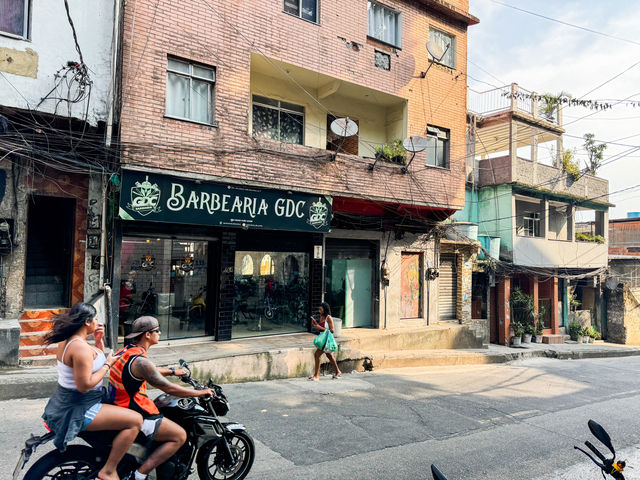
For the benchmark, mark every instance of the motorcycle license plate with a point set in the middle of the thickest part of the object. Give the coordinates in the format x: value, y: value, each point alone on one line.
x: 20, y: 465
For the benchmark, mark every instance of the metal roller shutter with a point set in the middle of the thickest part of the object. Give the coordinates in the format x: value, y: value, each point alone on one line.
x: 447, y: 287
x: 337, y: 248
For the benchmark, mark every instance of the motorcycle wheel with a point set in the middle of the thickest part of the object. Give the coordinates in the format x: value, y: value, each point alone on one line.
x: 77, y: 462
x: 210, y: 459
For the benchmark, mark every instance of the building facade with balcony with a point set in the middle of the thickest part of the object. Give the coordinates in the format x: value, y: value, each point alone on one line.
x: 525, y: 205
x: 241, y: 209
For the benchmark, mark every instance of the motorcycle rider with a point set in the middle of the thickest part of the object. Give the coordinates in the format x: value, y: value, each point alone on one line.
x: 128, y: 388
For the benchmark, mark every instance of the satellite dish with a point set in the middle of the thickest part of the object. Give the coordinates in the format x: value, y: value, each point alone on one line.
x: 436, y: 50
x: 414, y: 144
x: 612, y: 283
x: 344, y: 127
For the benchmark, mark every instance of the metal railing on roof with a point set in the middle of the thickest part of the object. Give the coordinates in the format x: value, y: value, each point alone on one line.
x: 509, y: 98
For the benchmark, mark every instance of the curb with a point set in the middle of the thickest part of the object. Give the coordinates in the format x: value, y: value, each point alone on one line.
x: 34, y: 382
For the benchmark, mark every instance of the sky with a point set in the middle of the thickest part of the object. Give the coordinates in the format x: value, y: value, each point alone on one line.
x: 540, y: 55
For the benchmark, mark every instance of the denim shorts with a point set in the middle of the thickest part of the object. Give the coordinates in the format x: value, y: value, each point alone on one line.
x: 90, y: 415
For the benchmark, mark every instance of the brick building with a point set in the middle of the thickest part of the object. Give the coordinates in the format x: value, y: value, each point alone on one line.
x: 241, y: 208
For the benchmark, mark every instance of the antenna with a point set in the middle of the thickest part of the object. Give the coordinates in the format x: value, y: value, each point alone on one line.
x: 437, y: 52
x: 343, y: 127
x: 413, y: 144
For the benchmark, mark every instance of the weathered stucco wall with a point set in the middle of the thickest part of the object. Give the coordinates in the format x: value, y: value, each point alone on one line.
x: 623, y: 315
x: 30, y: 65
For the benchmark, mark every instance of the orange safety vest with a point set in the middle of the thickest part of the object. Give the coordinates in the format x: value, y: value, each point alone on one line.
x: 127, y: 391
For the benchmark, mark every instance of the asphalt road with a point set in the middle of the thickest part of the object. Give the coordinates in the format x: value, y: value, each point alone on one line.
x: 516, y: 421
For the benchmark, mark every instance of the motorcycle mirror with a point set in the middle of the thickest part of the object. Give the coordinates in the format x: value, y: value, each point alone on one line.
x: 437, y: 474
x: 601, y: 434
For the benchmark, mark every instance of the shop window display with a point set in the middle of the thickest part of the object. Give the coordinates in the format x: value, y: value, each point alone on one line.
x: 274, y: 299
x: 165, y: 278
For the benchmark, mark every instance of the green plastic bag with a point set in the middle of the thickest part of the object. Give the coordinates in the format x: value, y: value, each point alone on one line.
x: 326, y: 342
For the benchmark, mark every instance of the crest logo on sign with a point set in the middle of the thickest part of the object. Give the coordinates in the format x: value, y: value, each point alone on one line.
x: 145, y: 198
x: 318, y: 214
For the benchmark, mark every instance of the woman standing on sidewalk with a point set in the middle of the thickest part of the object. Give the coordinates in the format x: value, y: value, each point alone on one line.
x: 326, y: 322
x: 77, y: 403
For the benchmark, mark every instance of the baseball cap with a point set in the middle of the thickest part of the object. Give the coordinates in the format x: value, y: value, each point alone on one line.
x: 141, y: 325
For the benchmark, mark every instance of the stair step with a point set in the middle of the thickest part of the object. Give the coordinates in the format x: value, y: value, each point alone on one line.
x: 37, y: 351
x: 32, y: 338
x: 38, y: 361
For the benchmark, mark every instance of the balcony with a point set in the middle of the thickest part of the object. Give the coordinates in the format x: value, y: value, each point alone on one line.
x: 543, y: 178
x: 515, y: 100
x: 545, y: 253
x: 281, y: 111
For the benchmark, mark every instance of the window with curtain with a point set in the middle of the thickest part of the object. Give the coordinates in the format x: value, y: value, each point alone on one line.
x: 190, y: 91
x: 14, y: 17
x: 277, y: 120
x: 305, y: 9
x: 447, y: 43
x: 384, y: 24
x: 437, y: 150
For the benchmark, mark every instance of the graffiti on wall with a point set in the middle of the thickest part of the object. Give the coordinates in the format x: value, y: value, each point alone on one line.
x: 410, y: 285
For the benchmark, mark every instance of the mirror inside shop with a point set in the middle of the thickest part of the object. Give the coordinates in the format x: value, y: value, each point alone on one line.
x: 271, y: 293
x: 165, y: 278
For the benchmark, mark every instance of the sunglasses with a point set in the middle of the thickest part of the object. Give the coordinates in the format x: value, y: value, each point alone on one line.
x: 156, y: 330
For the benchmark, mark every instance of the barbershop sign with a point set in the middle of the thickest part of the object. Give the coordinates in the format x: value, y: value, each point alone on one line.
x: 162, y: 198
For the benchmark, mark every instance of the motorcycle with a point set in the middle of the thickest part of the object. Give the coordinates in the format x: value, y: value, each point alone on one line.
x: 220, y: 450
x: 608, y: 466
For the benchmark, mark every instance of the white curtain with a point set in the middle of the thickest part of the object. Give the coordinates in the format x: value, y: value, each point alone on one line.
x: 382, y: 23
x: 177, y: 95
x: 200, y: 111
x: 445, y: 42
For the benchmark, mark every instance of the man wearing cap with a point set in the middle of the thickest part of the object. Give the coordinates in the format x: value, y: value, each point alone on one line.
x: 128, y: 388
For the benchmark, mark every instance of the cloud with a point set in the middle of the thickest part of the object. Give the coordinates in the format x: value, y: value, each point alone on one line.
x: 544, y: 56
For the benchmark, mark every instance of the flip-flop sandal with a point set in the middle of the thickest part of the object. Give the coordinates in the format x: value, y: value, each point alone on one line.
x: 312, y: 379
x: 337, y: 377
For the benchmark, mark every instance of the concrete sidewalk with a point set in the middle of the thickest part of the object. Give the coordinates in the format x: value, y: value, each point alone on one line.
x: 289, y: 356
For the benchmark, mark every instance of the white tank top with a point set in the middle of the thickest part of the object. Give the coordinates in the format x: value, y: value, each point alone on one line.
x: 65, y: 372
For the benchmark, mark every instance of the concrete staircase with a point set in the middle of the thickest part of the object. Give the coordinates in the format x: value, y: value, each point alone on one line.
x: 408, y: 347
x: 34, y: 325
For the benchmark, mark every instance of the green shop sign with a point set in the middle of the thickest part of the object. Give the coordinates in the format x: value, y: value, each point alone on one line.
x: 163, y: 198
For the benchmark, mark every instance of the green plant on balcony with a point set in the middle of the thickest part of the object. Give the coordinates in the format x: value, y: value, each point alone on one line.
x: 585, y: 237
x: 569, y: 165
x: 549, y: 104
x: 392, y: 152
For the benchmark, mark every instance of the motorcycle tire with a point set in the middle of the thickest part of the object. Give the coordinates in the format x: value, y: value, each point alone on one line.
x: 209, y: 459
x: 77, y: 461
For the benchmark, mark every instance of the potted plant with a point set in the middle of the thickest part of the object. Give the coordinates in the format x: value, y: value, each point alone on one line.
x: 540, y: 323
x: 529, y: 330
x: 393, y: 152
x: 575, y: 331
x: 518, y: 331
x: 585, y: 335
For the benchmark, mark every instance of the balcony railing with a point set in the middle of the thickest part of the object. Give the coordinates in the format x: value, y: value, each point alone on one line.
x: 510, y: 98
x: 498, y: 171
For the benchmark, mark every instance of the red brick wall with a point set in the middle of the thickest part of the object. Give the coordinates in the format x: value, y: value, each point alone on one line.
x: 624, y: 237
x: 193, y: 30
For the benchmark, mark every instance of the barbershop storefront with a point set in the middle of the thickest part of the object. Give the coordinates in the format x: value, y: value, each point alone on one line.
x: 221, y: 260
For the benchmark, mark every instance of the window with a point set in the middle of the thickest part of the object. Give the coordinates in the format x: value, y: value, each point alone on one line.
x: 384, y: 24
x: 276, y: 120
x: 305, y: 9
x: 531, y: 224
x: 190, y: 91
x: 437, y: 147
x: 447, y: 43
x: 14, y: 17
